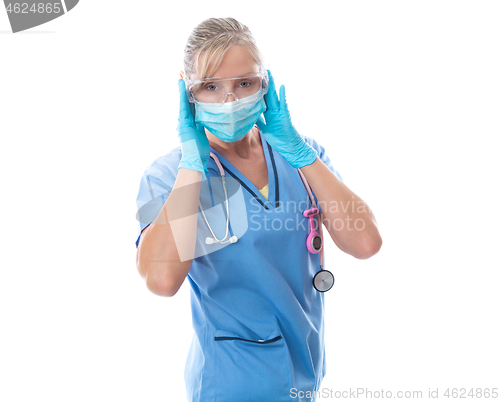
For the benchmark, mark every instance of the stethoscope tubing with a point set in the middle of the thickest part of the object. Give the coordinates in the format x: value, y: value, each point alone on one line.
x: 216, y: 240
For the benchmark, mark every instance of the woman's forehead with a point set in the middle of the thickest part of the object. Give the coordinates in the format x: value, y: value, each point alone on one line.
x: 237, y: 61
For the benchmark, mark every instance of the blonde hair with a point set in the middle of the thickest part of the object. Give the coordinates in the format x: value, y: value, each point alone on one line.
x: 212, y: 38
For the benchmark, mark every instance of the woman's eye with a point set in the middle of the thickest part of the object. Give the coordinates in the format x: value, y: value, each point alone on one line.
x: 210, y: 87
x: 245, y: 84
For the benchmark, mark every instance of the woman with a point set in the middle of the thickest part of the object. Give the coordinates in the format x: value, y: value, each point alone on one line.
x: 257, y: 317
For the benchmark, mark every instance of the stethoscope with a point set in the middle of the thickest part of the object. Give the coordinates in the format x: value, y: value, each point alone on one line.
x: 324, y: 279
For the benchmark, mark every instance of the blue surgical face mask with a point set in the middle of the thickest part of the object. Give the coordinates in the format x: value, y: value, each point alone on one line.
x: 231, y: 121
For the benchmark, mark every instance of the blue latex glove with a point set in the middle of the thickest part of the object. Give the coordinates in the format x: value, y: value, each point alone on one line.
x: 194, y: 142
x: 279, y: 131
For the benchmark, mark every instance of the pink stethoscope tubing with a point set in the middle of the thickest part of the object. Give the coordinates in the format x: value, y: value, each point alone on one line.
x: 324, y: 279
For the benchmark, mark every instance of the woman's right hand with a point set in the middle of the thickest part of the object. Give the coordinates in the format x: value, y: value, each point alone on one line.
x: 194, y: 142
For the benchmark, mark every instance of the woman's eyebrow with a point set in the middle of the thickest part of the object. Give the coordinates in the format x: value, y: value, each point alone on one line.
x: 251, y: 72
x: 237, y: 76
x: 209, y: 79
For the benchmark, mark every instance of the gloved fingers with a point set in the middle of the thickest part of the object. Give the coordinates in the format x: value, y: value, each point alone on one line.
x: 185, y: 115
x: 271, y: 96
x: 283, y: 104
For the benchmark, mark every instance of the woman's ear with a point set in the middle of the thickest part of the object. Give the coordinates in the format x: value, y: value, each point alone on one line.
x: 182, y: 74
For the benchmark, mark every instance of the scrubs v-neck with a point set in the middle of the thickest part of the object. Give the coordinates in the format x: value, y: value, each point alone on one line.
x: 258, y: 321
x: 264, y: 190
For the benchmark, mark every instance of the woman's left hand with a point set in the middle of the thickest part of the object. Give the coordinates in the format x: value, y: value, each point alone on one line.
x: 279, y: 131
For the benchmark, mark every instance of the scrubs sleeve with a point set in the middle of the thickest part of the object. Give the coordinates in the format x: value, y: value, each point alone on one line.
x: 324, y: 157
x: 155, y: 186
x: 322, y: 154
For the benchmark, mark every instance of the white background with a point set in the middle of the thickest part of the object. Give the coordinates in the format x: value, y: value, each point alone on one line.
x: 404, y: 95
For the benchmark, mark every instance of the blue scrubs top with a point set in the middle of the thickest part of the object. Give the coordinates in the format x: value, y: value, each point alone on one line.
x: 258, y: 321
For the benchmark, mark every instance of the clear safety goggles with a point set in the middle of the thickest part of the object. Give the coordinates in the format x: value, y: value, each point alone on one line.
x: 219, y: 90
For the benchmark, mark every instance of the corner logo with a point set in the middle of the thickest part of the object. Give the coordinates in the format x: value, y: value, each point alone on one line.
x: 28, y: 14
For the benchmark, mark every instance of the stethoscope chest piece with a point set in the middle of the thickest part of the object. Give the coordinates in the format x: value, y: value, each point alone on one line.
x: 323, y: 280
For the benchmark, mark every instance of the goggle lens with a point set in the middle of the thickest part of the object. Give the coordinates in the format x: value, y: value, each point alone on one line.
x: 220, y: 90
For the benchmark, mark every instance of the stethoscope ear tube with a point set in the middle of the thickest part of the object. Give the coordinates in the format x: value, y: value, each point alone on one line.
x: 214, y: 239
